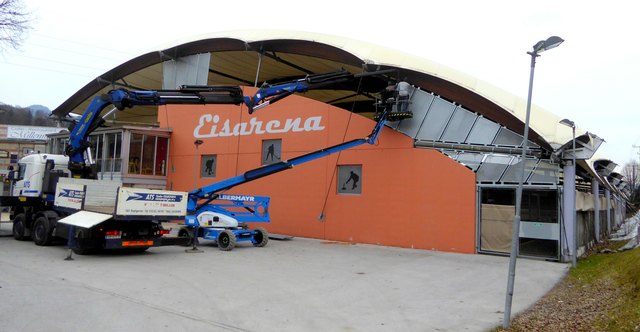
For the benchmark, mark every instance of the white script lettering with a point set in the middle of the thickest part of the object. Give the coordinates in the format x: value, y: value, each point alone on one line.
x: 216, y: 128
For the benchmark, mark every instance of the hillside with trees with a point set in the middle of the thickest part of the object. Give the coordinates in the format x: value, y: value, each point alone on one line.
x: 36, y: 115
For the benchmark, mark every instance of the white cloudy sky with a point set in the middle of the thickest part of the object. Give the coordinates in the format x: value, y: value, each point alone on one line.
x: 591, y: 79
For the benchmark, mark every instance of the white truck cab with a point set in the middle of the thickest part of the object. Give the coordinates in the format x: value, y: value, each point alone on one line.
x: 29, y: 178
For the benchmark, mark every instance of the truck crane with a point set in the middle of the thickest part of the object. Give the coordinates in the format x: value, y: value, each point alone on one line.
x: 44, y: 216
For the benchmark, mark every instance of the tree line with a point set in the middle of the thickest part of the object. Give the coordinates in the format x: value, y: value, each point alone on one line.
x: 36, y: 116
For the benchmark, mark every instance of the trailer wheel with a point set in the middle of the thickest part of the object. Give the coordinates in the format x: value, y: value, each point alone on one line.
x: 261, y: 238
x: 186, y: 232
x: 81, y: 246
x: 42, y: 232
x: 226, y: 240
x: 20, y: 232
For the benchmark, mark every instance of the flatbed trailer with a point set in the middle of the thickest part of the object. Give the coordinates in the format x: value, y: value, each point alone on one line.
x: 92, y: 215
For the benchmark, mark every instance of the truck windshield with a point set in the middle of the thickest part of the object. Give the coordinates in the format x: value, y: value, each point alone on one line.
x: 21, y: 169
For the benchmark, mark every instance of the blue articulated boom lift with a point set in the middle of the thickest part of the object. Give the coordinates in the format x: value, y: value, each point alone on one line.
x: 222, y: 222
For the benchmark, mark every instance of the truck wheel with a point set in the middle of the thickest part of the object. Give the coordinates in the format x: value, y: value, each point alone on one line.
x: 261, y: 238
x: 186, y: 232
x: 226, y: 240
x: 82, y: 248
x: 42, y: 232
x: 20, y: 232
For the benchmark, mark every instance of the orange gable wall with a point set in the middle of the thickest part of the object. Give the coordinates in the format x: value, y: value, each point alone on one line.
x: 414, y: 198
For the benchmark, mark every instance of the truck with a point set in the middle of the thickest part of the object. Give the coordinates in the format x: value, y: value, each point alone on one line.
x: 58, y: 197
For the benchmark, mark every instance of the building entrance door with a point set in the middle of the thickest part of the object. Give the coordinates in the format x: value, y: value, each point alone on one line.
x: 539, y: 225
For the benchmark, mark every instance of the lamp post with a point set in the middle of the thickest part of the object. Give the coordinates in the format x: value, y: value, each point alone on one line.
x: 574, y: 227
x: 195, y: 163
x: 538, y: 48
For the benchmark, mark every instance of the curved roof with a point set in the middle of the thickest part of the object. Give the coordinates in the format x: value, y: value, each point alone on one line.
x: 252, y: 57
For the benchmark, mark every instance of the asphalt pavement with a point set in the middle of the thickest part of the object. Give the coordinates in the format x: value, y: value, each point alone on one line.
x: 294, y: 285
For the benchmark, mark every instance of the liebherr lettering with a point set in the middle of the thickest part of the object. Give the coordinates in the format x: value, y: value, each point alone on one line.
x: 211, y: 126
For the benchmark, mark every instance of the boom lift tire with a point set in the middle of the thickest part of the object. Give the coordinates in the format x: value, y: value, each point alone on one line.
x: 226, y: 240
x: 186, y: 232
x: 261, y: 238
x: 20, y: 231
x: 41, y: 233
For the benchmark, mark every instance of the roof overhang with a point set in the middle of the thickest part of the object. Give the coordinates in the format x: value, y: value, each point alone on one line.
x: 252, y: 57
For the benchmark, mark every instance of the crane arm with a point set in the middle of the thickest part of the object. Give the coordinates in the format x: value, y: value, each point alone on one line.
x: 122, y: 98
x: 211, y: 192
x: 190, y: 94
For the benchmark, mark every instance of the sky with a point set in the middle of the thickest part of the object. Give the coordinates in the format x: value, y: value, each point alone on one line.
x: 592, y: 78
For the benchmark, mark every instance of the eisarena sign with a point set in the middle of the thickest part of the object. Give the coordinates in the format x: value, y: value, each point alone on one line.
x: 31, y: 132
x: 211, y: 126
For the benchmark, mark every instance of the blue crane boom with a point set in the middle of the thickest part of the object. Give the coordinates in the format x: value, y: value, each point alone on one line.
x: 266, y: 95
x: 211, y: 192
x: 122, y: 98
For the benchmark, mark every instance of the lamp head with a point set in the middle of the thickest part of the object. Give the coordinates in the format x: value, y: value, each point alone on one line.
x: 568, y: 123
x: 543, y: 45
x: 198, y: 142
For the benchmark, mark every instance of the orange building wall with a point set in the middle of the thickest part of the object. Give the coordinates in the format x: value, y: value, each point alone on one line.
x: 413, y: 198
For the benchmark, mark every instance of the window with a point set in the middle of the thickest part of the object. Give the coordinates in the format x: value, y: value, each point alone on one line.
x: 208, y: 166
x: 148, y: 154
x: 459, y: 126
x: 135, y: 153
x: 59, y: 145
x: 96, y: 145
x: 21, y: 170
x: 492, y: 168
x: 539, y: 206
x: 162, y: 149
x: 507, y: 137
x: 350, y: 179
x: 271, y: 151
x: 513, y: 173
x: 546, y: 172
x: 436, y: 120
x: 471, y: 160
x: 483, y: 132
x: 112, y: 144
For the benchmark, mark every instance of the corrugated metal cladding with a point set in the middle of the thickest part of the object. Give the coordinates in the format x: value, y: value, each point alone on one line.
x: 439, y: 123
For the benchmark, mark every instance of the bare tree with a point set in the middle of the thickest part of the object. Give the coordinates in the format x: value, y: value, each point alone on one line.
x: 631, y: 175
x: 14, y: 22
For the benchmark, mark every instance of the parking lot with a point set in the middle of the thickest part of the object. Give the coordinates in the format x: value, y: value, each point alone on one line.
x: 294, y: 285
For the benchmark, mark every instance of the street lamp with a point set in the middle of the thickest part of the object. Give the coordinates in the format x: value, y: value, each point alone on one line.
x: 539, y: 47
x: 574, y: 227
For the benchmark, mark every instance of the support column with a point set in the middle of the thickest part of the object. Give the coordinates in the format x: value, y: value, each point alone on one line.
x: 618, y: 210
x: 595, y: 190
x: 607, y: 195
x: 569, y: 211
